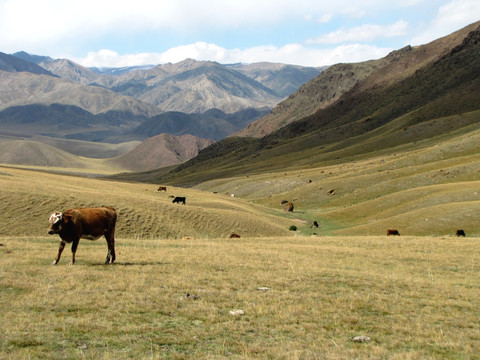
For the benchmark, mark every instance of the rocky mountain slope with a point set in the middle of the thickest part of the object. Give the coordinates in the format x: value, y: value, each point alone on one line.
x: 43, y: 96
x: 337, y: 80
x: 192, y: 87
x: 212, y: 124
x: 26, y: 88
x: 12, y: 64
x: 282, y: 79
x: 67, y: 69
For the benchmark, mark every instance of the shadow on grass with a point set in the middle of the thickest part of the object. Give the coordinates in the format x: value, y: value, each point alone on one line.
x: 140, y: 263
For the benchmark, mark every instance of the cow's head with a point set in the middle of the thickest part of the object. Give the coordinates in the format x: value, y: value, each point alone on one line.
x: 56, y: 223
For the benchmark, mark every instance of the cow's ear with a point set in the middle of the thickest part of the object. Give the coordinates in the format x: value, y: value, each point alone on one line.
x: 67, y: 218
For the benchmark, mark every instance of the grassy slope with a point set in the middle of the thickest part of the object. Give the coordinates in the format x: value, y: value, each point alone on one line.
x: 29, y: 197
x: 435, y: 179
x: 37, y: 153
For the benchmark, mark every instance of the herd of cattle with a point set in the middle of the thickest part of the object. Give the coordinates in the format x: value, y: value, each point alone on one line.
x: 92, y: 223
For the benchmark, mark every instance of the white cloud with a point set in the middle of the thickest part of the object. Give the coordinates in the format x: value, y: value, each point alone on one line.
x: 450, y: 17
x: 367, y: 32
x: 60, y: 28
x: 288, y: 54
x: 47, y: 22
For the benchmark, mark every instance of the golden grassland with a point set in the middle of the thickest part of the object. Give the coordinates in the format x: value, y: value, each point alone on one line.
x: 414, y: 297
x: 429, y: 189
x: 29, y: 197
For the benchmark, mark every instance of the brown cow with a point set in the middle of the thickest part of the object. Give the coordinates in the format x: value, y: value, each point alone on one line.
x: 234, y: 236
x: 86, y: 223
x: 162, y: 188
x: 288, y: 207
x: 392, y: 232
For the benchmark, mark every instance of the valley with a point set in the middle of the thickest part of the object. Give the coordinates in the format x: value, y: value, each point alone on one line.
x: 327, y: 212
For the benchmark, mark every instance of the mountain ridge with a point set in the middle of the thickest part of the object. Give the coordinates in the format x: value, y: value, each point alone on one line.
x: 86, y: 97
x: 335, y: 81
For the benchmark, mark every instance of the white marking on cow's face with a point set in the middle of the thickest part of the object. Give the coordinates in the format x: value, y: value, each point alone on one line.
x: 55, y: 221
x: 55, y: 217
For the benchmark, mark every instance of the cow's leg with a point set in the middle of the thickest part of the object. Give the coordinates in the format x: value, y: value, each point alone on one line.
x: 60, y: 250
x: 74, y: 250
x: 111, y: 248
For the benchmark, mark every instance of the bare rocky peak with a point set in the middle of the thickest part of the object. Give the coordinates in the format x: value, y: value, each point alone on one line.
x: 67, y: 69
x: 24, y: 88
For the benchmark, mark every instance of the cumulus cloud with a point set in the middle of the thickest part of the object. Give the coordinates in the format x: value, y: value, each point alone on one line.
x: 288, y: 54
x: 212, y: 29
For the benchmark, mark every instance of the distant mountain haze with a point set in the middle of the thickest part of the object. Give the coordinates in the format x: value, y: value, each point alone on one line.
x: 63, y: 104
x: 58, y: 97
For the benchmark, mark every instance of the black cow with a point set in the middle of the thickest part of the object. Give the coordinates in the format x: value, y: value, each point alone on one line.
x: 460, y: 233
x: 179, y: 199
x: 392, y: 232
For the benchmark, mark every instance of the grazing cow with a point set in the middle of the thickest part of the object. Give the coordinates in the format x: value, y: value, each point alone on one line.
x: 392, y: 232
x: 86, y: 223
x: 460, y: 233
x: 234, y: 236
x: 315, y: 224
x: 162, y: 188
x: 179, y: 199
x: 288, y: 207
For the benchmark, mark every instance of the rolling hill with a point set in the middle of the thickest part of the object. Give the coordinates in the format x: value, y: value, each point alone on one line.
x: 85, y: 157
x: 35, y: 153
x: 160, y: 151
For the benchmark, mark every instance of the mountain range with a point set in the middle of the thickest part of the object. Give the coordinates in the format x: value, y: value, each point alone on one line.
x: 350, y: 110
x: 344, y: 112
x: 56, y: 98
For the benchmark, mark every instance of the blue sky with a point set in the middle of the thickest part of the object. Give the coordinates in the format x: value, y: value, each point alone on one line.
x: 116, y: 33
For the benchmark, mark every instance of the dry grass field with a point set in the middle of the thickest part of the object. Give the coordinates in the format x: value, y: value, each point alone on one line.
x: 304, y: 295
x: 413, y: 297
x: 29, y: 197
